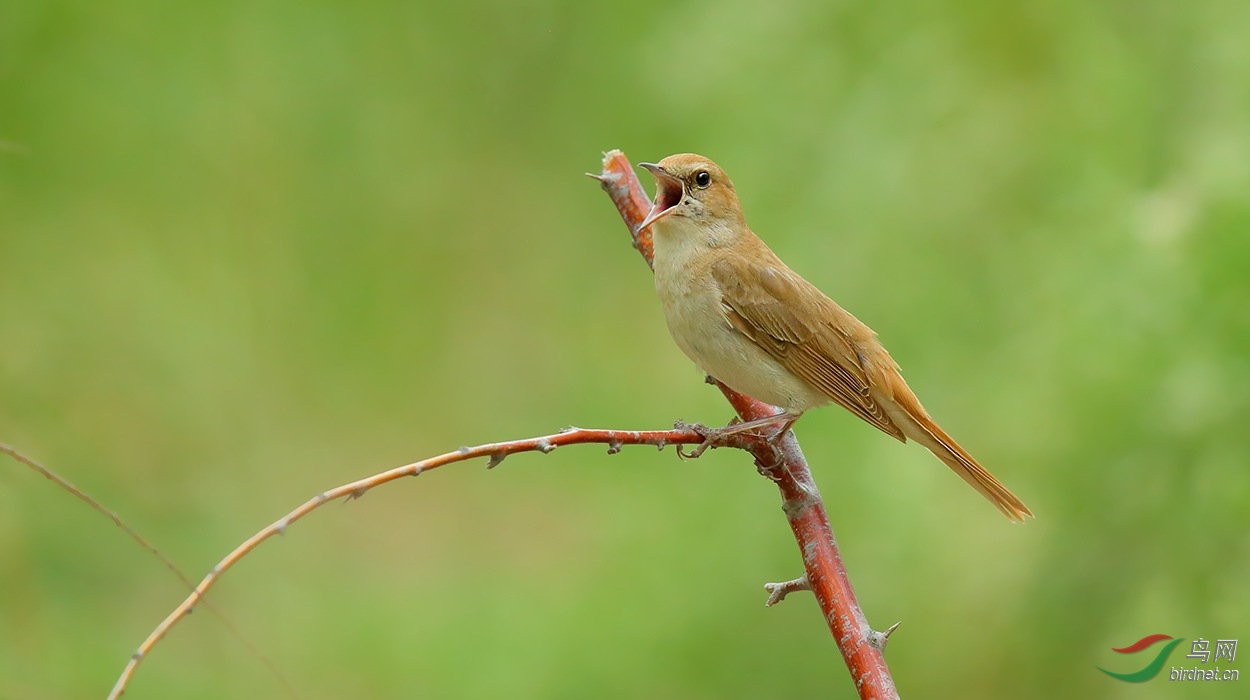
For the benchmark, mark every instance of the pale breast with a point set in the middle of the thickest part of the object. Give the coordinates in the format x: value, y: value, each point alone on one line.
x: 691, y: 300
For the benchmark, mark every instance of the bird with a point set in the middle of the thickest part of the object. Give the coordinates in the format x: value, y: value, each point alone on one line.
x: 748, y: 320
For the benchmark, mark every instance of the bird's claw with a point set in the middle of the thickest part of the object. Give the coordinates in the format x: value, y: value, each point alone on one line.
x: 696, y: 452
x: 708, y: 435
x: 724, y: 436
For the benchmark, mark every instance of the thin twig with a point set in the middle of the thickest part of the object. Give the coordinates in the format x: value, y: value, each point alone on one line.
x: 67, y: 485
x: 777, y: 592
x: 786, y: 466
x: 495, y: 452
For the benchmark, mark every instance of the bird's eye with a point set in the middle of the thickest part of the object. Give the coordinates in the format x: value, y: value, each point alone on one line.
x: 702, y: 178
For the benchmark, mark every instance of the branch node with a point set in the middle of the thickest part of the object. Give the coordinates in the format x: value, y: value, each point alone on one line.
x: 614, y: 447
x: 496, y: 458
x: 569, y: 429
x: 607, y: 178
x: 777, y: 592
x: 545, y: 446
x: 878, y: 640
x: 464, y: 450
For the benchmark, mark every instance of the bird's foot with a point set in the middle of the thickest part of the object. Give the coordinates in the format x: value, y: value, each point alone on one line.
x: 721, y: 437
x: 708, y: 435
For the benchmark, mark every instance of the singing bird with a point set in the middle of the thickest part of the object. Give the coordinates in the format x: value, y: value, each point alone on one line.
x: 750, y: 321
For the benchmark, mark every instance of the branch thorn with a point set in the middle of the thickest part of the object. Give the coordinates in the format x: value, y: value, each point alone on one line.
x: 878, y: 640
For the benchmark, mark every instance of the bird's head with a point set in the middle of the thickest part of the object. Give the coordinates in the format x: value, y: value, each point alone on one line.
x: 694, y: 191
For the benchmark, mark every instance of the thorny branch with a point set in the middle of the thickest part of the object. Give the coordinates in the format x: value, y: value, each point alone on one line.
x: 493, y: 452
x: 785, y: 465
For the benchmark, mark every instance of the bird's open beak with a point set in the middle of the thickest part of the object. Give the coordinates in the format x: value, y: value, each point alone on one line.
x: 668, y: 193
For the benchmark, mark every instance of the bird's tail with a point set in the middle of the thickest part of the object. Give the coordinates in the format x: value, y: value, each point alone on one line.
x: 917, y: 425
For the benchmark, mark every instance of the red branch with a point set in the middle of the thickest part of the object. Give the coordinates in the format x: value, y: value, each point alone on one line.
x: 787, y: 467
x: 495, y: 452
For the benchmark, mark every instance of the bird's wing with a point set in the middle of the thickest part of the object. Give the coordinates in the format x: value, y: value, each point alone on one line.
x: 816, y: 350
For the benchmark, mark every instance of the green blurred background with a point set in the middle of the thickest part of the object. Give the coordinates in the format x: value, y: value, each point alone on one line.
x: 253, y: 250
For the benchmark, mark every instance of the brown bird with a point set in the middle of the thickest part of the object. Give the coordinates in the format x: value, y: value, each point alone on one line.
x: 750, y: 321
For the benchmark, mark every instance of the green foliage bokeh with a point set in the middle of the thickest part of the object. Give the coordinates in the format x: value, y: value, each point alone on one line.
x: 252, y: 250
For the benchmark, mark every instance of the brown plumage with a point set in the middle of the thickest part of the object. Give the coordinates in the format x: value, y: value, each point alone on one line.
x: 747, y: 319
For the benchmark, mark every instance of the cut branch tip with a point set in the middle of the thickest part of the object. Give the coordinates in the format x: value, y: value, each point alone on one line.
x: 777, y: 592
